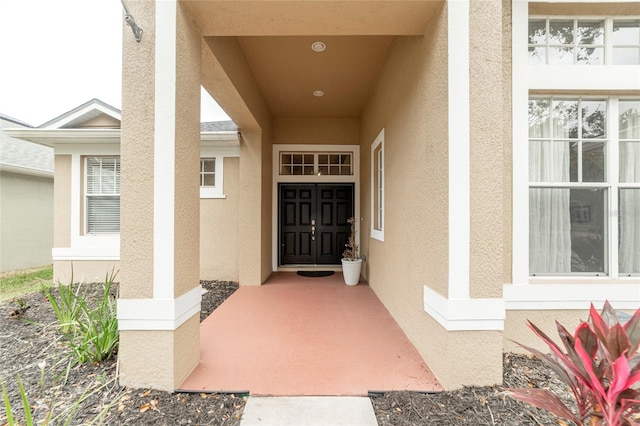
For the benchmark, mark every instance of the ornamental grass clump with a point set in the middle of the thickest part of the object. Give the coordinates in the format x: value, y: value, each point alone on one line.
x: 90, y: 331
x: 601, y: 365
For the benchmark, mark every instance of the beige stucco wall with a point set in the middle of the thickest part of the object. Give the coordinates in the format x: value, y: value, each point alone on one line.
x: 507, y: 137
x: 84, y: 271
x: 219, y: 229
x: 487, y: 115
x: 229, y: 79
x: 103, y: 121
x: 321, y: 131
x: 159, y: 359
x: 187, y: 156
x: 516, y: 329
x: 26, y: 221
x: 62, y: 202
x: 136, y: 150
x: 410, y: 103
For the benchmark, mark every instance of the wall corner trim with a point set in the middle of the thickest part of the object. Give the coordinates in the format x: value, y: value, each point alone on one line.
x: 464, y: 314
x: 158, y: 314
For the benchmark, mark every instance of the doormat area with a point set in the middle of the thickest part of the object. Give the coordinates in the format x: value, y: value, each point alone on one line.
x: 316, y: 274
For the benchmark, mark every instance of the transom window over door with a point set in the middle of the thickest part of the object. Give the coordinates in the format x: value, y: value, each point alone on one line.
x: 103, y: 195
x: 321, y: 163
x: 584, y: 186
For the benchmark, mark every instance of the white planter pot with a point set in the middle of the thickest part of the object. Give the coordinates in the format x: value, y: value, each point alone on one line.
x: 351, y: 271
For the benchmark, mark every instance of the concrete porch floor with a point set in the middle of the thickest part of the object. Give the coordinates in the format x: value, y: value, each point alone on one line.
x: 298, y: 336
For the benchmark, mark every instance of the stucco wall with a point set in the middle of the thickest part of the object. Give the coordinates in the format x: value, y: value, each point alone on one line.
x: 228, y: 77
x: 84, y: 271
x: 486, y: 143
x: 410, y: 103
x: 310, y: 131
x: 219, y: 229
x: 26, y: 221
x: 137, y: 152
x: 62, y: 202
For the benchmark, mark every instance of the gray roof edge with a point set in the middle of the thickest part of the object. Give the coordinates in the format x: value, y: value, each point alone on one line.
x: 14, y: 120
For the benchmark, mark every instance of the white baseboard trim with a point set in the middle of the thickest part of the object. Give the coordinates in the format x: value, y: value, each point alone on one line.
x: 570, y: 296
x: 158, y: 314
x: 464, y: 314
x: 86, y: 253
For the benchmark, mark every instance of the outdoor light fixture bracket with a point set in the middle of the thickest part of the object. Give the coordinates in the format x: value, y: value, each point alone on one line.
x: 128, y: 18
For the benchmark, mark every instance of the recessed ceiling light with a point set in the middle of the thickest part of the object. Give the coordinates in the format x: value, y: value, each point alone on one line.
x: 318, y: 93
x: 318, y: 46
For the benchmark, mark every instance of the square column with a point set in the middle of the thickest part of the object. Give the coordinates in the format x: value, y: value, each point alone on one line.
x: 158, y: 309
x: 471, y: 314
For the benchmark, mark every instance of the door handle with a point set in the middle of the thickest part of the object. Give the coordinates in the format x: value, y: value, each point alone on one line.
x: 313, y: 229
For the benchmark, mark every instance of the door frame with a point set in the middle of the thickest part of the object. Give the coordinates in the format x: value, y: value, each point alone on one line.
x: 277, y: 179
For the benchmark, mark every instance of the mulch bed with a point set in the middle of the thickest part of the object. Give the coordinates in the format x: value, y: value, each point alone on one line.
x: 29, y: 337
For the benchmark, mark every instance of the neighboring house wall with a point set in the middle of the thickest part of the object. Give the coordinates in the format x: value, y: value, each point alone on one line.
x: 219, y: 253
x: 26, y: 201
x: 26, y: 220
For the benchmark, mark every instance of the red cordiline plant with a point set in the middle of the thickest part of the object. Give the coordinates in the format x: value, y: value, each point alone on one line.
x: 601, y: 365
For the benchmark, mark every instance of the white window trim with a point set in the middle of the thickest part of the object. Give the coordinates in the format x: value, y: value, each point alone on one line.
x: 377, y: 233
x: 541, y: 293
x: 215, y: 191
x: 85, y: 247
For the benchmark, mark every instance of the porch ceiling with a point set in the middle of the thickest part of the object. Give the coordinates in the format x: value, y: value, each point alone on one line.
x: 276, y: 38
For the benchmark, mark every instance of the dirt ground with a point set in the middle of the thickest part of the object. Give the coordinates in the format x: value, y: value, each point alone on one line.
x: 29, y: 339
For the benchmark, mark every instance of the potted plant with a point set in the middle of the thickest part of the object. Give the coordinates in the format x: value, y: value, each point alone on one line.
x: 351, y: 262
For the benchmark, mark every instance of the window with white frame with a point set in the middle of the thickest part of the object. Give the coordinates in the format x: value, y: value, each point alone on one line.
x: 377, y: 187
x: 103, y: 195
x: 626, y: 41
x: 211, y: 176
x: 208, y: 172
x: 584, y: 186
x: 586, y: 41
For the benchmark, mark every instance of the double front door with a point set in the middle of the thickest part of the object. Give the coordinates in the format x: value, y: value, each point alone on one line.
x: 313, y: 222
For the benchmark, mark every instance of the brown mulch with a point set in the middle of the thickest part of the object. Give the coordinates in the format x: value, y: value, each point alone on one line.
x: 29, y: 337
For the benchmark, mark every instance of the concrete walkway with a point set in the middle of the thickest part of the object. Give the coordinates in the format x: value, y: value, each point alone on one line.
x: 298, y: 336
x: 308, y: 411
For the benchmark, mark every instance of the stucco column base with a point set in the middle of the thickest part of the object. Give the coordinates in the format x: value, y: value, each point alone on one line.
x: 159, y: 359
x: 463, y: 358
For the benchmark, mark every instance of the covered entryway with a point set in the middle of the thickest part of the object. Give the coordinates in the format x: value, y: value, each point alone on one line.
x: 306, y: 336
x: 313, y: 222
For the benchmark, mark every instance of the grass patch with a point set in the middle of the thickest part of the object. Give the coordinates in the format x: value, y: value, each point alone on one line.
x: 17, y: 283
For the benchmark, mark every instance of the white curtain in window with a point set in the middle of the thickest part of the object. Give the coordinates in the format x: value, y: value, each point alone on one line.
x: 629, y: 202
x: 549, y: 209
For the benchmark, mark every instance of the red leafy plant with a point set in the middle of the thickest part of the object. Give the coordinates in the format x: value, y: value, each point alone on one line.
x: 600, y: 364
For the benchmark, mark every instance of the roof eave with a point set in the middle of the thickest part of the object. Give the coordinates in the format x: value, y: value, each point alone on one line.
x: 59, y: 137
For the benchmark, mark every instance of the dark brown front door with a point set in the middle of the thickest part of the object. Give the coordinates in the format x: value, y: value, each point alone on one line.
x: 313, y: 222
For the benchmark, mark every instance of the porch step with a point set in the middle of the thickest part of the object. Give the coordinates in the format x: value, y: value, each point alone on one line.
x: 308, y: 411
